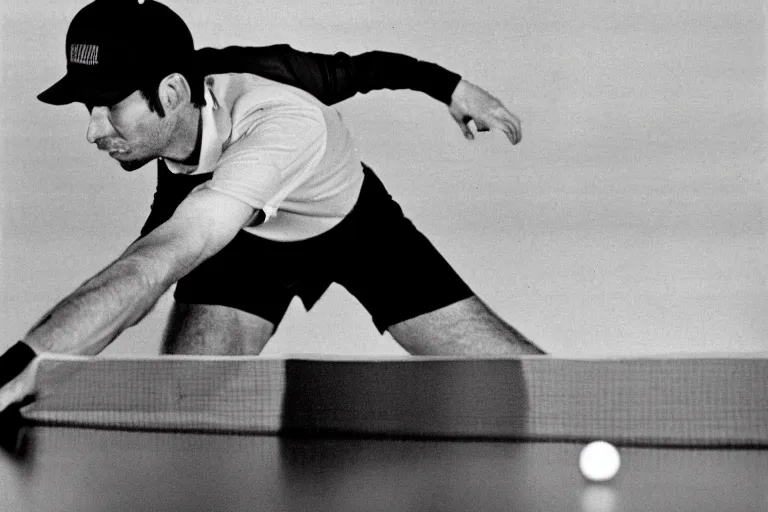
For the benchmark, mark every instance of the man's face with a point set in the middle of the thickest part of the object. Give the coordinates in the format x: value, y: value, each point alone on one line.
x: 131, y: 133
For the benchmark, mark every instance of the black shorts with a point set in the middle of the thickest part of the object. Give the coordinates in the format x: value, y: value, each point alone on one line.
x: 376, y: 253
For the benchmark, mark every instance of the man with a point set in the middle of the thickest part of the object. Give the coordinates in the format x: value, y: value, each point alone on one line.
x: 277, y: 205
x: 330, y: 78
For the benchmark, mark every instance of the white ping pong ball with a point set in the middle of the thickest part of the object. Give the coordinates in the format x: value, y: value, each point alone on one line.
x: 599, y: 461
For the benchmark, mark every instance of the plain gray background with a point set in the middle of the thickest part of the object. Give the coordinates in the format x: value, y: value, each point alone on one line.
x: 630, y: 220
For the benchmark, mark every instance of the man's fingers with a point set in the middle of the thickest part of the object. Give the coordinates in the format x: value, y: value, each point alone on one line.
x: 513, y: 133
x: 495, y: 119
x: 463, y: 121
x: 467, y: 131
x: 502, y: 119
x: 512, y: 129
x: 509, y: 128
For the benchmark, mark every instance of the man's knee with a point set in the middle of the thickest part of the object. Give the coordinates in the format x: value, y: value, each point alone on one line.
x: 204, y: 329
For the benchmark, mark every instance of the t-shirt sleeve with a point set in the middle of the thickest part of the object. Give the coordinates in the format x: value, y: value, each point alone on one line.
x: 276, y: 147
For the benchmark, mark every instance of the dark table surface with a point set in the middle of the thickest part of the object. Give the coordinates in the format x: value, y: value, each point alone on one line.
x: 67, y: 469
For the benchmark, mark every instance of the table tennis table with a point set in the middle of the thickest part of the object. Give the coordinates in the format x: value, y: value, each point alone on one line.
x: 388, y: 434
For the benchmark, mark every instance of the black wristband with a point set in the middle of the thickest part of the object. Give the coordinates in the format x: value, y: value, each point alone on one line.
x: 14, y: 361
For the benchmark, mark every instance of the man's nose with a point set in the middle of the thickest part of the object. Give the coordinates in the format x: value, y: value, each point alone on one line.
x: 99, y: 125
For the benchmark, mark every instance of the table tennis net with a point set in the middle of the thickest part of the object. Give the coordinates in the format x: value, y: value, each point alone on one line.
x: 681, y: 402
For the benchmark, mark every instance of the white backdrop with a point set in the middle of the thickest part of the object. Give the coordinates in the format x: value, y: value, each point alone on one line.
x: 631, y: 219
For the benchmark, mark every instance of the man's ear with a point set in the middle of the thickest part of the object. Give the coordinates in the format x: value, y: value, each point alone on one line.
x: 174, y: 92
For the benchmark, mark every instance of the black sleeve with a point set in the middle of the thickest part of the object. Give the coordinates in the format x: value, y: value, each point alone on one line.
x: 330, y: 78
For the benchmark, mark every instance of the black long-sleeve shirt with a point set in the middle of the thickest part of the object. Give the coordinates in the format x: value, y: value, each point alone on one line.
x: 330, y: 78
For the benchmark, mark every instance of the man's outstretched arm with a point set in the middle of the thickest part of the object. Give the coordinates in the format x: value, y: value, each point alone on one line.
x: 104, y: 306
x: 89, y: 319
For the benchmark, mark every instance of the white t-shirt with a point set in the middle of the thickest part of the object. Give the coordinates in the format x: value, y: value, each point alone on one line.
x: 278, y: 149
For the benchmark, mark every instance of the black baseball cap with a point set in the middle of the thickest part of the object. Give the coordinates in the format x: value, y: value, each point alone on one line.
x: 115, y: 46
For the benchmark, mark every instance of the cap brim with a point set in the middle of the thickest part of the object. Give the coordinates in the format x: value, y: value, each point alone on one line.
x: 59, y: 93
x: 70, y: 90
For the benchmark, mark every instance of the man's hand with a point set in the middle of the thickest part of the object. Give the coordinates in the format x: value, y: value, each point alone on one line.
x: 17, y: 374
x: 471, y: 103
x: 18, y: 389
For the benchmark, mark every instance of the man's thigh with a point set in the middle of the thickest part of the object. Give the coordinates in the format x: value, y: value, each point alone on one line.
x: 388, y: 264
x: 204, y: 329
x: 467, y: 327
x: 247, y: 285
x: 411, y: 290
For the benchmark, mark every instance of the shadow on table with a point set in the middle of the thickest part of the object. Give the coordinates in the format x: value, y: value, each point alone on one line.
x: 355, y: 405
x: 471, y: 398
